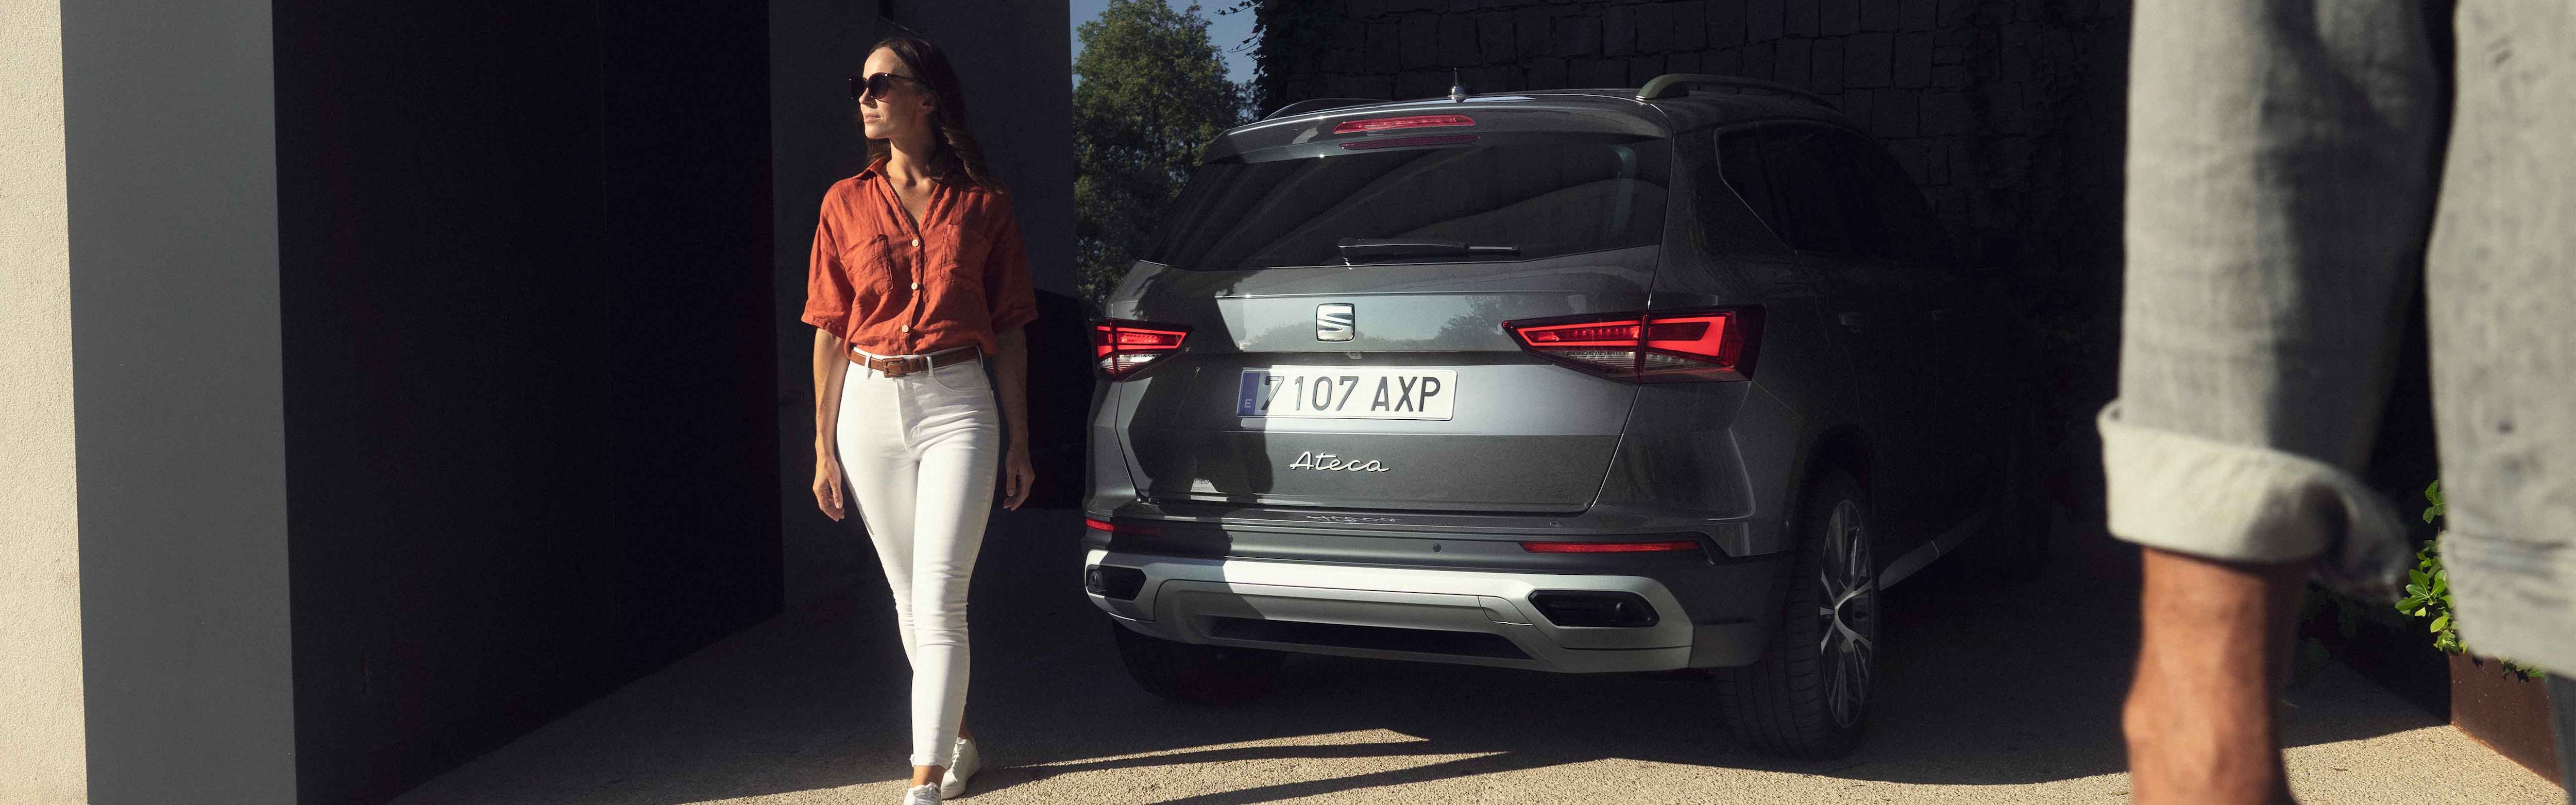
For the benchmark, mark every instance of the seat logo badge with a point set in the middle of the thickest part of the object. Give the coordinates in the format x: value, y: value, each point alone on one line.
x: 1332, y: 463
x: 1333, y: 322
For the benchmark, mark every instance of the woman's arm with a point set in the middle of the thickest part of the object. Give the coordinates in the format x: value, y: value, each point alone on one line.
x: 1012, y: 303
x: 830, y: 365
x: 827, y: 306
x: 1011, y: 378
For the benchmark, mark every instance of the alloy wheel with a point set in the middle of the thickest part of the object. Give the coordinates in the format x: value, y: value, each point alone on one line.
x: 1849, y: 613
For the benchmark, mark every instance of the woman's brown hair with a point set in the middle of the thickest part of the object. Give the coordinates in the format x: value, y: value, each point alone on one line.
x: 956, y: 147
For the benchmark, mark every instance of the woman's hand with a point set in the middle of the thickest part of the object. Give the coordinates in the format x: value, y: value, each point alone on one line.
x: 1011, y: 382
x: 827, y: 486
x: 831, y: 363
x: 1019, y: 476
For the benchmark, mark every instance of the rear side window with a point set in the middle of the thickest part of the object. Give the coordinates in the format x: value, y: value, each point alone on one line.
x: 1546, y: 198
x: 1832, y: 191
x: 1908, y: 230
x: 1809, y: 197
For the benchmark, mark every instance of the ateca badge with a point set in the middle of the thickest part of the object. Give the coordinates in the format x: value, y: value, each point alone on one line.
x: 1332, y: 463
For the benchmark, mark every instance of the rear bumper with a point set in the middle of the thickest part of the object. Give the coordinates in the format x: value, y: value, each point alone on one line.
x: 1470, y: 611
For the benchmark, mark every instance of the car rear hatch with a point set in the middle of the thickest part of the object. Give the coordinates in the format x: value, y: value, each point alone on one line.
x: 1344, y: 298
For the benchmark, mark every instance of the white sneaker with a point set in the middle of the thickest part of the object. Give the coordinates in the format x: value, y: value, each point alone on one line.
x: 962, y: 765
x: 923, y: 794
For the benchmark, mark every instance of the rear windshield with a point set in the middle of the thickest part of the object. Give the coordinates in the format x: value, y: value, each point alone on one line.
x: 1548, y: 197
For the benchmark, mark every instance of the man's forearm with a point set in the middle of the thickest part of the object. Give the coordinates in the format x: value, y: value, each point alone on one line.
x: 2213, y: 652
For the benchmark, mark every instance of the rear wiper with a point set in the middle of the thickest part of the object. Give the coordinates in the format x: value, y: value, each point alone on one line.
x: 1356, y: 250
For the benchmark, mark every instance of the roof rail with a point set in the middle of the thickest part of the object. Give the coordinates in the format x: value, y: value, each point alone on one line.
x: 1318, y: 105
x: 1674, y: 84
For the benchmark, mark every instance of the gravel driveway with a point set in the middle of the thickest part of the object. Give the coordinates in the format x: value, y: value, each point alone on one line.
x: 1987, y: 696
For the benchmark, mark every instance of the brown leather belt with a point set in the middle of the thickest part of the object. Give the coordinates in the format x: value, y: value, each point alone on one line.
x: 898, y: 367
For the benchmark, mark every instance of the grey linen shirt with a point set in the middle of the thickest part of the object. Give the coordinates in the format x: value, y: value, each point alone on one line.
x: 2295, y: 169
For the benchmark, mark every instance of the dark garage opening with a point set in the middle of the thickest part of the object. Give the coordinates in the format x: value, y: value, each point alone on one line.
x: 528, y: 364
x: 542, y: 375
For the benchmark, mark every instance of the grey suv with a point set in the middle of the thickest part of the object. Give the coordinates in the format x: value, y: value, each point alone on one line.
x: 1578, y: 381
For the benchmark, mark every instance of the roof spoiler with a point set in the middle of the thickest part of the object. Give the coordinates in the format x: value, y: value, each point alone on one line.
x: 1318, y: 105
x: 1676, y: 84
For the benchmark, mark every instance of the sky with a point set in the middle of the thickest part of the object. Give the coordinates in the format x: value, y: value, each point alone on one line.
x: 1226, y: 30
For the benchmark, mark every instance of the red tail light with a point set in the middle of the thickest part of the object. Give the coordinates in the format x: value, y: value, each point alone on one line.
x: 1609, y: 547
x: 1124, y: 347
x: 1650, y: 347
x: 1377, y: 124
x: 1097, y: 524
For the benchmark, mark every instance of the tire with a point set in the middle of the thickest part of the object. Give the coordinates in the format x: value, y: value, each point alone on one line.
x: 2012, y: 549
x: 1808, y: 695
x: 1192, y: 674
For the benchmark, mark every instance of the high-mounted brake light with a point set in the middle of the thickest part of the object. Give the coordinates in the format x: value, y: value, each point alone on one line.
x: 1377, y: 124
x: 1610, y: 547
x: 1649, y: 347
x: 1124, y: 347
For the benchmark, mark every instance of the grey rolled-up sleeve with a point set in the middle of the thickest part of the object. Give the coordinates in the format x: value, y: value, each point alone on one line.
x: 2279, y: 192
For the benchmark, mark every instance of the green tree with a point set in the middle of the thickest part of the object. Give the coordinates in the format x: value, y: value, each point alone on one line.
x: 1152, y: 93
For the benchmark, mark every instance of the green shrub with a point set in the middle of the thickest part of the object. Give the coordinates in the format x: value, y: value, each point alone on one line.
x: 2428, y: 592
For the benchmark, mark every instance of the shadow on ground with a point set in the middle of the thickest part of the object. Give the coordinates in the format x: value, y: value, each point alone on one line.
x: 1980, y: 686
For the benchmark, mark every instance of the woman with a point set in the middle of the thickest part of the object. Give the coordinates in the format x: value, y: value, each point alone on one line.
x: 918, y: 281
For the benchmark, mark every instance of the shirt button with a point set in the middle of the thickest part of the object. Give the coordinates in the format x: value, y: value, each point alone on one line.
x: 916, y: 286
x: 904, y: 328
x: 916, y: 241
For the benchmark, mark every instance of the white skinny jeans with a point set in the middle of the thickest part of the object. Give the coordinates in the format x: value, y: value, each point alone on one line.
x: 920, y: 452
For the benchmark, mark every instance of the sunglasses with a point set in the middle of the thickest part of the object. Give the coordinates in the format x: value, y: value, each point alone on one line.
x: 875, y: 86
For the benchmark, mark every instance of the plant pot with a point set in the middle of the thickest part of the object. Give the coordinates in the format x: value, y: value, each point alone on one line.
x: 2506, y: 711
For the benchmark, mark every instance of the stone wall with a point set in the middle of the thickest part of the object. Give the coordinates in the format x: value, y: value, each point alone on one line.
x: 2009, y: 113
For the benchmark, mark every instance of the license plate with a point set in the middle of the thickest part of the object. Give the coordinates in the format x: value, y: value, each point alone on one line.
x: 1331, y: 392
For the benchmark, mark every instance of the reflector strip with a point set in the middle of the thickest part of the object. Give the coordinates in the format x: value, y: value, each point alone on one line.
x: 1609, y: 547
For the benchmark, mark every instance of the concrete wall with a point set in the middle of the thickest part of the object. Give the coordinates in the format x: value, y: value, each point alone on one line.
x: 172, y: 164
x: 1014, y: 58
x: 42, y: 751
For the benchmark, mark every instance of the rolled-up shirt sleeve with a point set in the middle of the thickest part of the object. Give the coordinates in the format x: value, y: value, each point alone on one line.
x: 2279, y: 192
x: 827, y: 284
x: 1010, y: 300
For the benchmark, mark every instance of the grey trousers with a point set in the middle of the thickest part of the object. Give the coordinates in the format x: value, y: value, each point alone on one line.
x: 2562, y: 705
x: 2296, y: 168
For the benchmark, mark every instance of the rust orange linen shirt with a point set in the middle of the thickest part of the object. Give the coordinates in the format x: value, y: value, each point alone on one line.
x: 888, y: 287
